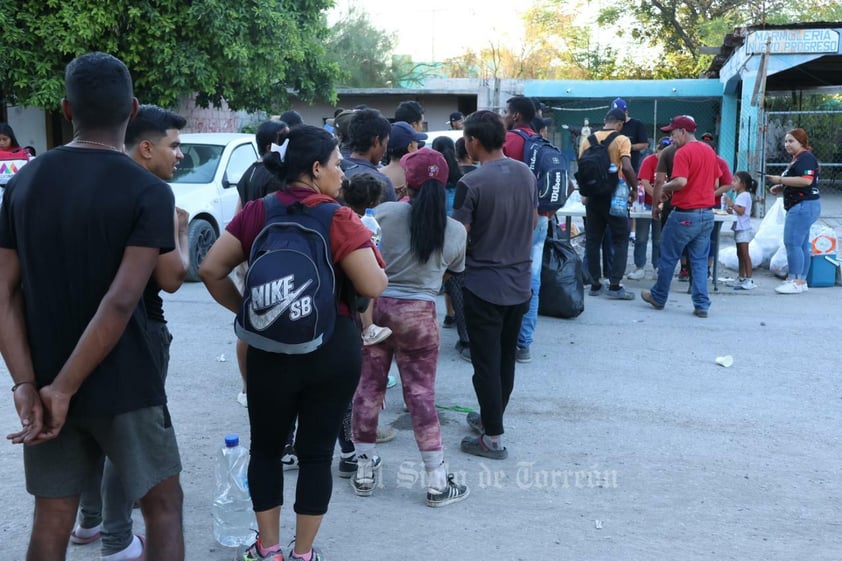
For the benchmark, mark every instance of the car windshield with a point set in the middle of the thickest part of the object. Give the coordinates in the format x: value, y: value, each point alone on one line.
x: 199, y: 163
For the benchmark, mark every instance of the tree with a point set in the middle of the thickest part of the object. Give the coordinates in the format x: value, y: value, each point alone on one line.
x: 249, y: 52
x: 681, y: 27
x: 361, y: 50
x: 557, y: 46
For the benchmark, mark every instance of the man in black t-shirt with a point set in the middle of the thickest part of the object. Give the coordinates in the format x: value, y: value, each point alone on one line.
x: 154, y: 143
x: 80, y: 234
x: 635, y: 131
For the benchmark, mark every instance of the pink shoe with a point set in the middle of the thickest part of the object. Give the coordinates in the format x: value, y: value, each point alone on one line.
x: 142, y: 556
x: 75, y: 539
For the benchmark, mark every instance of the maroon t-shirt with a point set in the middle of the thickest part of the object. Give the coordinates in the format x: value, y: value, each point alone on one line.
x: 347, y: 233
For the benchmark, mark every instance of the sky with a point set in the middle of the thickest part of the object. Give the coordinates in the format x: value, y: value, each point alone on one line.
x: 431, y: 30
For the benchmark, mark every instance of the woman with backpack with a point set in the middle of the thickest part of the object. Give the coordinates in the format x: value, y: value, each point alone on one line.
x: 419, y: 243
x: 315, y: 386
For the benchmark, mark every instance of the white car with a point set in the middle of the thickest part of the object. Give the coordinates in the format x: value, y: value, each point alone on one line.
x: 432, y: 135
x: 205, y: 185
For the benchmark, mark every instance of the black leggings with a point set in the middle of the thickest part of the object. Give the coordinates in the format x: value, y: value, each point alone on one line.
x: 316, y: 388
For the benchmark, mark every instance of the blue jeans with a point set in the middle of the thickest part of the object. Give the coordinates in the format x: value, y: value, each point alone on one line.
x: 797, y: 236
x: 641, y: 240
x: 691, y: 230
x: 530, y: 318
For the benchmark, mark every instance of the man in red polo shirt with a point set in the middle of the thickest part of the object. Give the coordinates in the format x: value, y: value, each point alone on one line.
x: 518, y: 116
x: 690, y: 223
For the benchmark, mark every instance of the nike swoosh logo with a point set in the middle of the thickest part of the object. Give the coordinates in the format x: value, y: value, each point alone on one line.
x: 263, y: 321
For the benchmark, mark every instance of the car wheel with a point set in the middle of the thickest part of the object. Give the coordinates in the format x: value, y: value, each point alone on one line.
x: 200, y: 238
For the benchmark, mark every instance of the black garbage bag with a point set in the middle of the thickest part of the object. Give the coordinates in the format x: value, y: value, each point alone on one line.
x: 562, y: 288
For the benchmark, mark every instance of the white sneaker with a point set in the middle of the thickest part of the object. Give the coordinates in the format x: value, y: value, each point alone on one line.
x: 243, y: 399
x: 375, y: 334
x: 748, y: 284
x: 789, y: 287
x: 637, y: 274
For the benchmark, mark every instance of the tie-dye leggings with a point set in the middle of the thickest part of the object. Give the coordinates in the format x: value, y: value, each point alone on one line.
x: 414, y: 344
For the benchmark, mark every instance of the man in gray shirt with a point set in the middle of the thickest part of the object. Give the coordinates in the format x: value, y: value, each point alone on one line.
x: 498, y: 205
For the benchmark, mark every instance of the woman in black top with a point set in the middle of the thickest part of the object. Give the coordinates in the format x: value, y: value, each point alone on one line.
x: 799, y: 184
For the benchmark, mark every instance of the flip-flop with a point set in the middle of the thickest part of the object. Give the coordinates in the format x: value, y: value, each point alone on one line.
x: 78, y: 540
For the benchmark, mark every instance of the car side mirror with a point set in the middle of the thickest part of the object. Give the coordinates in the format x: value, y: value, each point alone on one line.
x: 226, y: 184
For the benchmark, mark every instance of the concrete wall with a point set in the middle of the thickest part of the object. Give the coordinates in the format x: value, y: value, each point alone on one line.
x: 215, y: 119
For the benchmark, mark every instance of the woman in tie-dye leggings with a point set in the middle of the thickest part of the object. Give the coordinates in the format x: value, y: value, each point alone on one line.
x: 419, y: 244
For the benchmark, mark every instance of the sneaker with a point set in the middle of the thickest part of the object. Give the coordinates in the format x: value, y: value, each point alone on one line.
x: 348, y: 467
x: 391, y: 381
x: 523, y: 355
x: 789, y: 287
x: 596, y: 290
x: 453, y: 493
x: 475, y: 446
x: 364, y: 479
x: 684, y: 275
x: 386, y: 434
x: 619, y: 294
x: 375, y: 334
x: 449, y: 322
x: 243, y: 399
x: 77, y: 539
x: 136, y: 545
x: 474, y: 421
x: 646, y: 295
x: 289, y: 458
x: 637, y: 274
x: 747, y: 284
x: 251, y: 553
x: 317, y: 556
x: 700, y: 313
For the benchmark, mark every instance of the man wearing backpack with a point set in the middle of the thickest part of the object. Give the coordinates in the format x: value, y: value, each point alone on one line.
x: 598, y: 188
x: 519, y: 113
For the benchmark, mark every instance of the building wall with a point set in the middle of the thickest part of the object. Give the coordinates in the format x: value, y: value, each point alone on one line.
x: 215, y: 119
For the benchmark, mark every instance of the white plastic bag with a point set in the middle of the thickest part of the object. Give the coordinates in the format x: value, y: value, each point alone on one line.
x: 770, y: 234
x: 822, y: 240
x: 778, y: 264
x: 728, y: 258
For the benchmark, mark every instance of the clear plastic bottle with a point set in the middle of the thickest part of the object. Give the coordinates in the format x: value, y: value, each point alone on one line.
x: 620, y: 199
x: 586, y: 129
x: 233, y: 514
x: 370, y: 222
x: 612, y: 168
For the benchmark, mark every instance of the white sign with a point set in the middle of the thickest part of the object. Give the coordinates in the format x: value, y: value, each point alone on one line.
x: 792, y: 41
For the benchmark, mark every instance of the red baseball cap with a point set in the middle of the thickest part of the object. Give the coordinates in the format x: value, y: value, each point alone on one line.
x: 685, y: 122
x: 422, y: 165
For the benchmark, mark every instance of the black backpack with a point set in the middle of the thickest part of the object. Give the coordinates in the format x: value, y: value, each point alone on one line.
x: 290, y: 296
x: 550, y: 167
x: 593, y: 176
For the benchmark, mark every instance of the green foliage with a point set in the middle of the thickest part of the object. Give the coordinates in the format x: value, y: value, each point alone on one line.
x: 248, y: 52
x: 362, y: 51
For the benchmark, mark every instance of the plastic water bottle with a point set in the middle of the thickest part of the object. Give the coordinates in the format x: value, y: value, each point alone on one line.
x: 612, y: 168
x: 586, y: 129
x: 371, y: 223
x: 233, y: 514
x: 641, y: 197
x: 620, y: 199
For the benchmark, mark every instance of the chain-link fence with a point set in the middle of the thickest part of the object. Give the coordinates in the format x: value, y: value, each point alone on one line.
x: 569, y: 115
x: 824, y: 129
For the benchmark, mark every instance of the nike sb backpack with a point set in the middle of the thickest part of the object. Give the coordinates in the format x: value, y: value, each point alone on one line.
x: 290, y: 293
